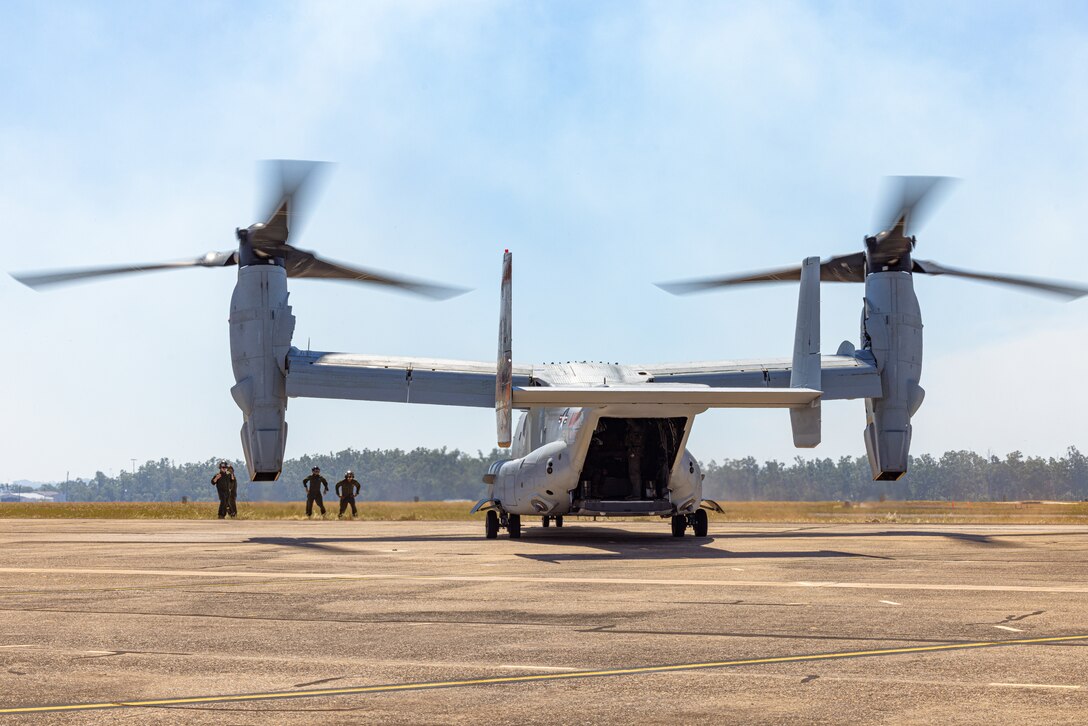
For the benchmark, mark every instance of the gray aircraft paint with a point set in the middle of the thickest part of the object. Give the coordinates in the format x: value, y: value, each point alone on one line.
x: 892, y: 331
x: 563, y: 402
x: 261, y: 325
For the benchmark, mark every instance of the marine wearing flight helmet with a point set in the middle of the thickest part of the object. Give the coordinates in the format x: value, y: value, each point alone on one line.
x: 347, y: 488
x: 227, y: 487
x: 313, y: 485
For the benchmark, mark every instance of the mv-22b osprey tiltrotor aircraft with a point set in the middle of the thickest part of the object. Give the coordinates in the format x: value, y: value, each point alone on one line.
x: 593, y: 439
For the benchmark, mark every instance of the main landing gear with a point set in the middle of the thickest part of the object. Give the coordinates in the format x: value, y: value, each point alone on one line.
x: 495, y: 521
x: 546, y: 521
x: 697, y: 520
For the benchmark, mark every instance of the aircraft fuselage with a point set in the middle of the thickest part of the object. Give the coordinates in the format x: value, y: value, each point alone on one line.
x: 614, y: 460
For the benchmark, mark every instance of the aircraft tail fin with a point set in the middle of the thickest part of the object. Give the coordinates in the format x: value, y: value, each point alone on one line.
x: 504, y: 378
x: 805, y: 373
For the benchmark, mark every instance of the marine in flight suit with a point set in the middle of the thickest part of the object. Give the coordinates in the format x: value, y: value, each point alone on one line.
x: 226, y: 485
x: 347, y: 488
x: 313, y: 485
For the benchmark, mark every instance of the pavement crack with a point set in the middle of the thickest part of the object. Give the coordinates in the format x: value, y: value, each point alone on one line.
x: 112, y: 653
x: 809, y: 679
x: 1018, y: 618
x: 323, y: 680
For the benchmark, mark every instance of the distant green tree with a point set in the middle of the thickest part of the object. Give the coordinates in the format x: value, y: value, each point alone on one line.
x: 436, y: 474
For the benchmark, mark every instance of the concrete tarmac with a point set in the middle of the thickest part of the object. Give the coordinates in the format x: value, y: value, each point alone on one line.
x: 257, y: 622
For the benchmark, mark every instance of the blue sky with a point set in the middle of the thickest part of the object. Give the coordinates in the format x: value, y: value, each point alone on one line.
x: 608, y: 145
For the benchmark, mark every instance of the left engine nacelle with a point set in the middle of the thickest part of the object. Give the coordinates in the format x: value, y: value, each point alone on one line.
x: 261, y: 325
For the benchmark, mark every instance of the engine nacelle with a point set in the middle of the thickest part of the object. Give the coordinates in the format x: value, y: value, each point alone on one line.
x: 261, y: 325
x: 892, y: 331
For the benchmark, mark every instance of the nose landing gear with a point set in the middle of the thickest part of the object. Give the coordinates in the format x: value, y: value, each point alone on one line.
x: 546, y: 521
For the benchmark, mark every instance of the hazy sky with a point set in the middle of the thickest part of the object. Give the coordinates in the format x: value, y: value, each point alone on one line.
x: 607, y: 144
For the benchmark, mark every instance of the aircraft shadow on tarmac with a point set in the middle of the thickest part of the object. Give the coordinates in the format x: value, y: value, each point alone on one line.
x: 610, y: 543
x: 821, y: 533
x: 607, y: 543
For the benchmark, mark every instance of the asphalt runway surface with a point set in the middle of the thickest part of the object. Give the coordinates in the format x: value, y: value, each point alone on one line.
x: 257, y: 622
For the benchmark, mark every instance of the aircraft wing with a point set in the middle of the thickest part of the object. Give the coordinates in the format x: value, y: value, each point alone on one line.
x: 841, y: 376
x: 360, y: 377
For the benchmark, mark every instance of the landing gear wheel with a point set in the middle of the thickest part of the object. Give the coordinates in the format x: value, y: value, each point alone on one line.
x: 546, y: 521
x: 679, y: 524
x: 513, y: 526
x: 699, y: 523
x: 559, y: 520
x: 491, y: 524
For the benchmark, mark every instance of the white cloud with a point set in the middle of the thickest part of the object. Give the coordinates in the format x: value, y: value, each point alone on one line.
x: 608, y: 145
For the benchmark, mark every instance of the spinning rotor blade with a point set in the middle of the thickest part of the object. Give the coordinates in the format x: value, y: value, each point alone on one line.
x: 291, y: 190
x: 1060, y: 289
x: 908, y: 199
x: 303, y: 264
x: 843, y: 268
x: 60, y: 277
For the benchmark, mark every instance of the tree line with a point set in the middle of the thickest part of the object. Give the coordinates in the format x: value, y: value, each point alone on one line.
x: 438, y: 474
x: 955, y: 476
x: 385, y: 475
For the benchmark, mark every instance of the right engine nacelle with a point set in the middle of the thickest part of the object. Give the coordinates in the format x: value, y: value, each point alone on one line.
x: 892, y: 331
x: 261, y: 325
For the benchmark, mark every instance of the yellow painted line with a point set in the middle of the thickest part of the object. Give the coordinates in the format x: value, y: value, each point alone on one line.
x: 959, y: 587
x: 432, y: 685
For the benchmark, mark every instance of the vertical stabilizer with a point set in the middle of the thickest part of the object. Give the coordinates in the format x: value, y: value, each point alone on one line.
x: 806, y: 356
x: 504, y: 371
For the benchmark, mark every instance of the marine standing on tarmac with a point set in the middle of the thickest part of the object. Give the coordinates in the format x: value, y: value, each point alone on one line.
x: 347, y: 488
x: 227, y: 487
x: 313, y: 484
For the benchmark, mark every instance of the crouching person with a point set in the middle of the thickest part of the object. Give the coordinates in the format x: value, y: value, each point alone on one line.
x: 347, y: 488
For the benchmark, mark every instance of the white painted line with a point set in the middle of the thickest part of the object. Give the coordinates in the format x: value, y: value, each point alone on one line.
x: 1009, y: 628
x: 538, y: 668
x: 1033, y: 685
x: 424, y: 577
x: 889, y: 602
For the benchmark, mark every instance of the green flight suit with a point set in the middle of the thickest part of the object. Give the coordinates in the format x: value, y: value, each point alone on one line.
x: 314, y: 484
x: 227, y: 487
x: 347, y: 489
